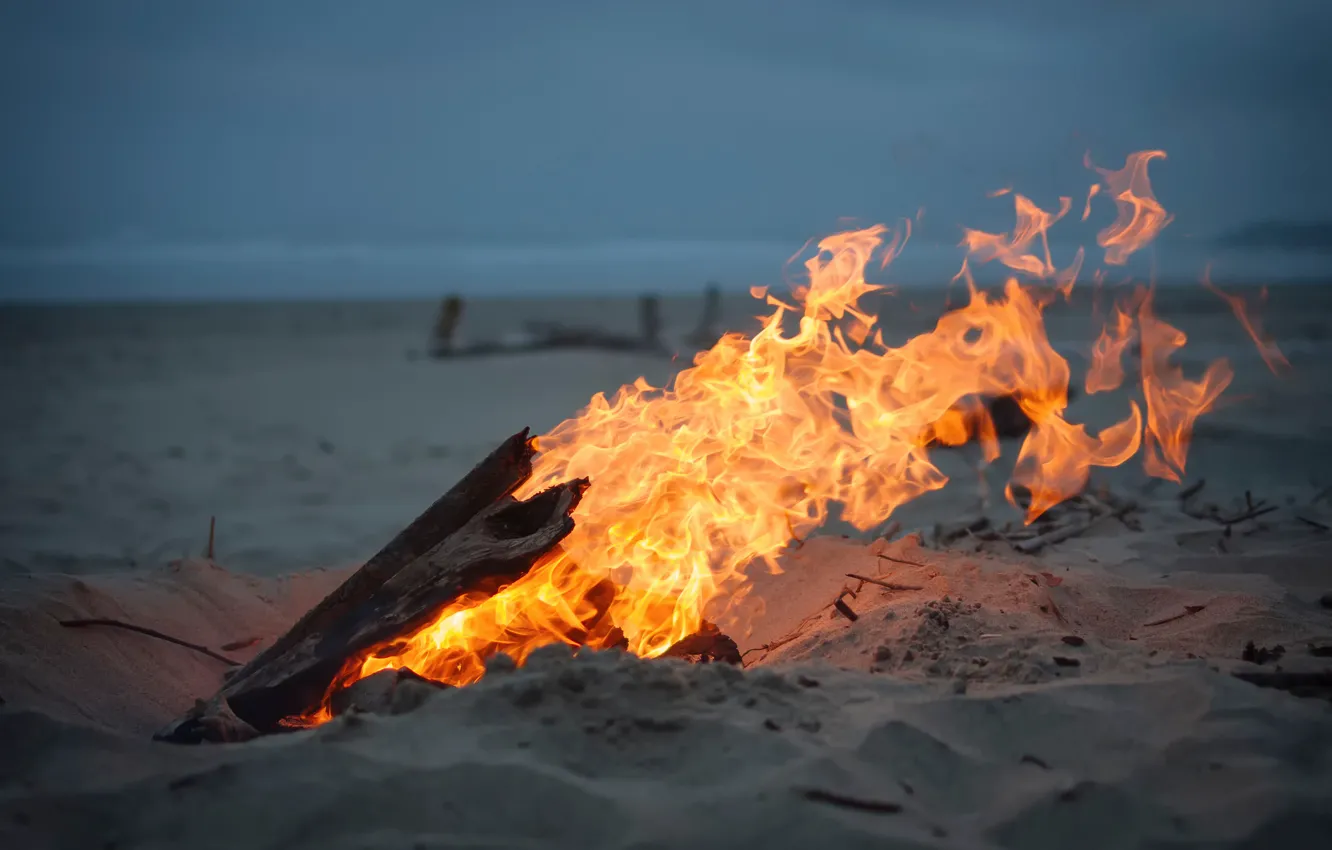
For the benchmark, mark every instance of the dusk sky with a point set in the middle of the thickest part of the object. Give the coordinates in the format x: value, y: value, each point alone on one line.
x: 180, y: 123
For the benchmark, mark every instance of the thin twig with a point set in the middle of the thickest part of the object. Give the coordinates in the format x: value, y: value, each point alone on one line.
x: 881, y: 807
x: 900, y: 560
x: 1189, y: 611
x: 1252, y: 513
x: 1321, y: 526
x: 887, y: 585
x: 1058, y: 535
x: 212, y: 523
x: 1192, y: 490
x: 75, y: 624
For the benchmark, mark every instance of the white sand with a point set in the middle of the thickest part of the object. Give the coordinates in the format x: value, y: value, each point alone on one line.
x: 946, y: 701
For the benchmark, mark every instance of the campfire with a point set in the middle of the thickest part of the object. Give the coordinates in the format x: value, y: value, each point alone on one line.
x: 634, y: 523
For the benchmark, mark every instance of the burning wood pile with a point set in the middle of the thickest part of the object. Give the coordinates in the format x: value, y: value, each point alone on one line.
x: 474, y: 539
x: 697, y: 482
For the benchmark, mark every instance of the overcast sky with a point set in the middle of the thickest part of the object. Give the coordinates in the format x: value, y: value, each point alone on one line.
x: 330, y: 123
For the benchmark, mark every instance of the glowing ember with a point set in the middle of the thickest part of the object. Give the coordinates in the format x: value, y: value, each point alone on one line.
x: 694, y: 483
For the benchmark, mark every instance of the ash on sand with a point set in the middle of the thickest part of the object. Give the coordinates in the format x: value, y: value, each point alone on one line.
x: 1011, y: 702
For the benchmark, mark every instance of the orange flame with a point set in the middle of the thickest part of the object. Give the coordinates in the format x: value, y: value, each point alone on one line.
x: 1173, y: 401
x: 1267, y: 347
x: 694, y: 483
x: 1106, y: 371
x: 1140, y: 215
x: 1014, y: 250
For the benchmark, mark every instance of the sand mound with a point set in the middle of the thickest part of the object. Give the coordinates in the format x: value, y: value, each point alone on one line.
x: 605, y: 750
x: 1009, y: 702
x: 129, y: 682
x: 982, y: 619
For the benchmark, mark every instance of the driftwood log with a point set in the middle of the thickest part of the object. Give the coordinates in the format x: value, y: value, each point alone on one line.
x: 475, y: 537
x: 499, y: 474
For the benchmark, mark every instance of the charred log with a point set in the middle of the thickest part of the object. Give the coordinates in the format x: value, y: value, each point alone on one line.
x: 498, y: 475
x: 476, y: 537
x: 497, y: 546
x: 705, y: 646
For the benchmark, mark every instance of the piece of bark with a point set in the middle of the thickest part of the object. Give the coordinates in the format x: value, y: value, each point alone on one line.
x: 497, y: 546
x: 499, y: 474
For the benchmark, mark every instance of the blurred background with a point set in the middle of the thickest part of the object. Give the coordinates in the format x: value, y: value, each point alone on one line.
x: 226, y: 229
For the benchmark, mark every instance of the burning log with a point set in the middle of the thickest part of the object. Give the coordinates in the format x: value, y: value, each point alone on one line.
x: 704, y: 646
x: 475, y: 537
x: 498, y: 475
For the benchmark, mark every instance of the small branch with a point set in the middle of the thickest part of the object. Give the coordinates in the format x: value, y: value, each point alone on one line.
x: 1189, y: 611
x: 1192, y: 490
x: 1120, y: 509
x: 1251, y: 513
x: 212, y: 524
x: 845, y: 610
x: 1061, y: 533
x: 1321, y: 526
x: 887, y: 585
x: 153, y: 633
x: 900, y: 560
x: 879, y: 807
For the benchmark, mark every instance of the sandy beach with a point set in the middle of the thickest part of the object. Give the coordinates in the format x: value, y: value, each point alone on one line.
x: 1101, y: 692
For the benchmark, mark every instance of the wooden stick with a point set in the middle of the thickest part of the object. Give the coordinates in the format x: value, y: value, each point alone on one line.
x: 887, y: 585
x: 153, y: 633
x: 1251, y: 513
x: 1321, y: 526
x: 1058, y: 535
x: 497, y: 546
x: 900, y: 560
x: 1192, y: 490
x: 878, y: 807
x: 845, y: 610
x: 1189, y: 611
x: 498, y: 475
x: 212, y: 524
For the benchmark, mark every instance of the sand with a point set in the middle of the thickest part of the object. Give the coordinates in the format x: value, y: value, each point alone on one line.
x: 1011, y: 701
